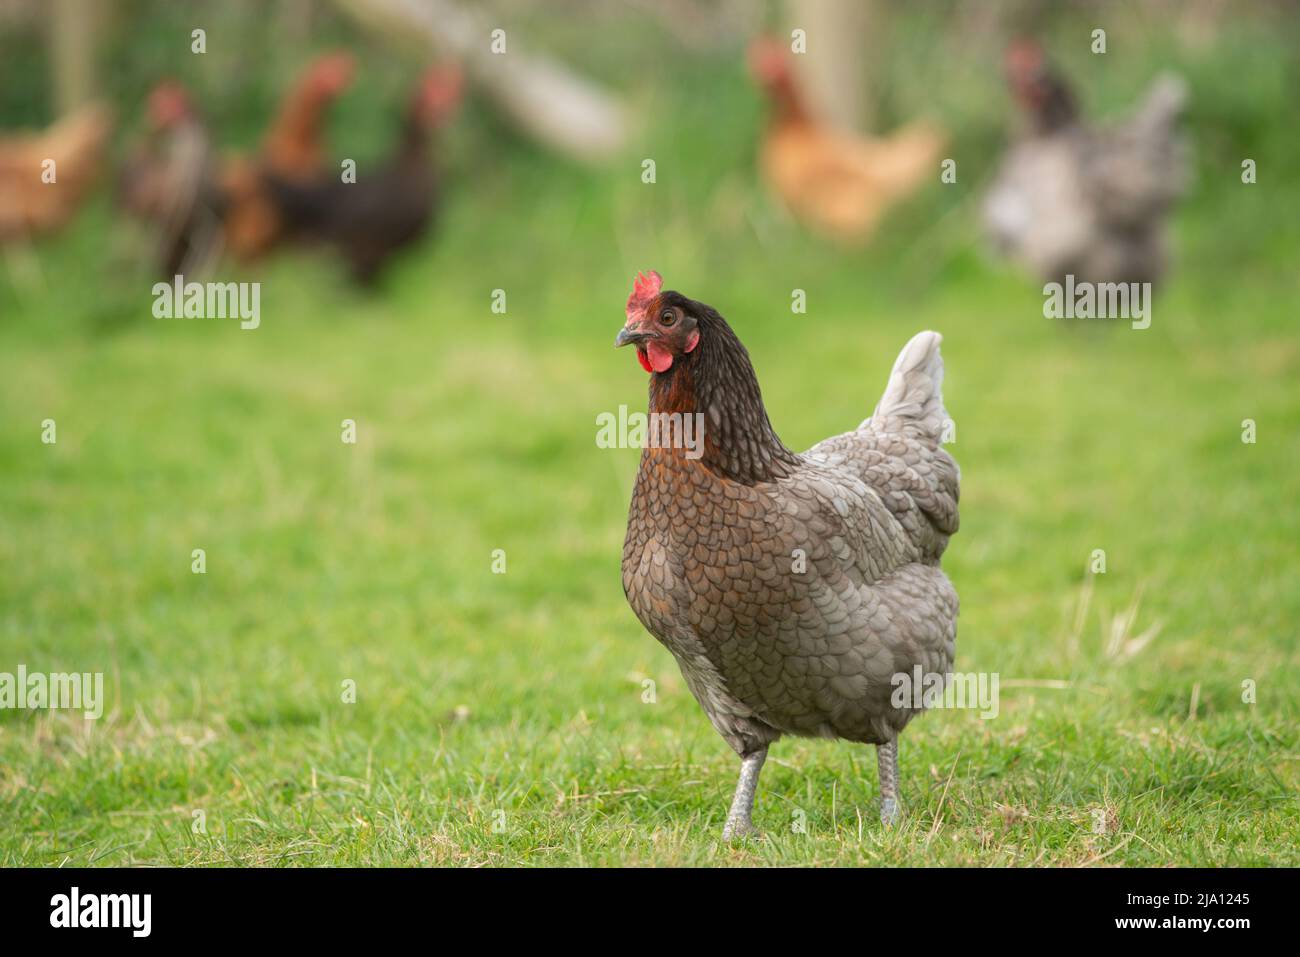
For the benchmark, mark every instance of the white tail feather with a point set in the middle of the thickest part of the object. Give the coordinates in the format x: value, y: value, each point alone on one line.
x: 913, y: 398
x: 1165, y: 100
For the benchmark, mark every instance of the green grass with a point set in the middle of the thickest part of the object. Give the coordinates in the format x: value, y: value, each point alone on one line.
x: 499, y: 718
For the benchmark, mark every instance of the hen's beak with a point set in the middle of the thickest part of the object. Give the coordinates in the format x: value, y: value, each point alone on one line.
x: 628, y: 336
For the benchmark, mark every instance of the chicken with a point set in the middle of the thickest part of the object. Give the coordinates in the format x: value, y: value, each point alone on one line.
x: 1071, y: 199
x: 836, y: 182
x: 292, y: 151
x: 36, y: 197
x: 384, y: 210
x: 791, y: 589
x: 294, y: 145
x: 170, y: 182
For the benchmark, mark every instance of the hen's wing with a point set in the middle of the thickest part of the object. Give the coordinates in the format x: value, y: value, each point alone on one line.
x: 872, y: 509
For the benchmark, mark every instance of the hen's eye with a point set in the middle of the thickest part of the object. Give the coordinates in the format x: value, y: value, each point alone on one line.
x: 667, y: 317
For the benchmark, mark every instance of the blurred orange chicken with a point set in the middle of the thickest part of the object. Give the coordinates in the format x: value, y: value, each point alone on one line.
x: 36, y: 197
x: 835, y: 182
x: 293, y: 150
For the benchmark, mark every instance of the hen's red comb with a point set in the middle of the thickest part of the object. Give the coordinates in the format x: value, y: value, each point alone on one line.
x: 440, y: 89
x: 644, y: 290
x: 331, y: 73
x: 168, y: 102
x: 768, y: 59
x: 1024, y: 55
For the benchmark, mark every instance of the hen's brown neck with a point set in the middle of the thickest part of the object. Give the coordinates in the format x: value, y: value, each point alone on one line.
x: 718, y: 380
x: 419, y: 130
x: 293, y: 144
x: 787, y: 105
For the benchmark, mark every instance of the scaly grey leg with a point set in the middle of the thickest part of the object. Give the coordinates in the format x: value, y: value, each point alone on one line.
x: 887, y: 763
x: 739, y: 821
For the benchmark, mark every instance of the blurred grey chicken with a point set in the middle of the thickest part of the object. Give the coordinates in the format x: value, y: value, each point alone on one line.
x: 795, y: 591
x: 1089, y: 201
x: 170, y: 182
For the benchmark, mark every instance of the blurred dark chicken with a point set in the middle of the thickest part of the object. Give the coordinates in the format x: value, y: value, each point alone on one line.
x: 1086, y: 201
x: 169, y: 181
x: 293, y: 151
x: 29, y: 204
x: 387, y: 208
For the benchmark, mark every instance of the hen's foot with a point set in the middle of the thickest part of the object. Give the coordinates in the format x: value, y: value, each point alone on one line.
x: 737, y: 828
x: 739, y: 818
x: 888, y: 812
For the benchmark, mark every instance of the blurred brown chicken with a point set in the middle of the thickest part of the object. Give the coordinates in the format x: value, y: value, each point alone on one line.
x: 834, y: 181
x: 293, y: 150
x: 34, y: 201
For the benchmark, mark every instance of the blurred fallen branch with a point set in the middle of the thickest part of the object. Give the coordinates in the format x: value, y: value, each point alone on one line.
x: 540, y: 95
x: 704, y: 27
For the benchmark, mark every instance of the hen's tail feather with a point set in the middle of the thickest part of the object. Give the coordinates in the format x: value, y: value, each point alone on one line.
x: 1164, y: 102
x: 913, y: 399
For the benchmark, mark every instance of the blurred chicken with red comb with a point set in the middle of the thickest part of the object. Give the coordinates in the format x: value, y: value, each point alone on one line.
x: 293, y: 150
x: 393, y: 204
x: 834, y: 181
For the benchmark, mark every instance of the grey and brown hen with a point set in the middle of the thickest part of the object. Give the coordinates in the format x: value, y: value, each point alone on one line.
x: 792, y: 589
x: 1090, y: 201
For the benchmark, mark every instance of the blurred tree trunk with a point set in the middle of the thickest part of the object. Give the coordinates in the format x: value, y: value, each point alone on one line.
x: 834, y: 70
x: 72, y: 51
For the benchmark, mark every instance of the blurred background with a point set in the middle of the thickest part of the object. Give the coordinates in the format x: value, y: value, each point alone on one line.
x: 509, y: 170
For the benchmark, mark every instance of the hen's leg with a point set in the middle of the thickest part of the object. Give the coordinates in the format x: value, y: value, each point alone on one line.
x: 887, y: 764
x: 739, y: 821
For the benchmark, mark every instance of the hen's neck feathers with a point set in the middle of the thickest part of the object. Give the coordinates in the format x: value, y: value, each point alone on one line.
x: 417, y: 135
x: 718, y: 380
x: 1057, y: 109
x: 297, y: 128
x: 788, y: 107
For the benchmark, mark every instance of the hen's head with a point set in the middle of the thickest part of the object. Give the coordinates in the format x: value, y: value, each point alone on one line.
x: 330, y: 75
x: 437, y: 95
x: 698, y: 365
x: 1025, y: 63
x: 169, y: 104
x: 663, y: 325
x: 1036, y: 86
x: 769, y: 61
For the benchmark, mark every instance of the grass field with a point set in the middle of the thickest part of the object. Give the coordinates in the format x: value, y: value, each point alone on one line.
x: 499, y: 717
